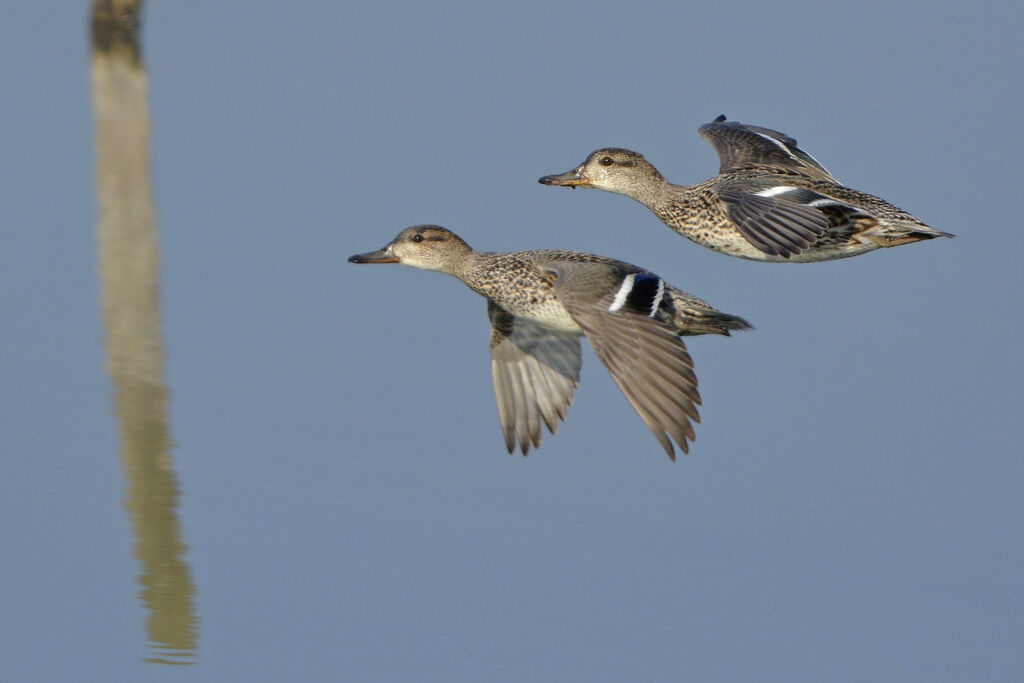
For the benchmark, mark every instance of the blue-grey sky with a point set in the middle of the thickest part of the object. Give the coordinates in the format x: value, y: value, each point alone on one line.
x: 850, y: 509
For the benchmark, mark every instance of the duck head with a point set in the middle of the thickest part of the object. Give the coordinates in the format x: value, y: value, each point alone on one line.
x: 429, y: 247
x: 613, y: 169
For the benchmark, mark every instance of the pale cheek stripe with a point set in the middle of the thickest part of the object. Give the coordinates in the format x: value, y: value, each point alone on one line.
x: 623, y: 293
x: 772, y: 191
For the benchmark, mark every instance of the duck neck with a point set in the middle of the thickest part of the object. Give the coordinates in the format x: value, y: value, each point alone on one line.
x: 465, y: 266
x: 656, y: 194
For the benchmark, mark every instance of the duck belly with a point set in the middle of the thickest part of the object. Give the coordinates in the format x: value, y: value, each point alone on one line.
x: 549, y: 313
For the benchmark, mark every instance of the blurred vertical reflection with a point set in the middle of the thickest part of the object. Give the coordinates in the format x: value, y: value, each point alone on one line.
x: 129, y: 265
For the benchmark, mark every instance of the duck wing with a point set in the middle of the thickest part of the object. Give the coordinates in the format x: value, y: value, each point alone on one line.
x: 535, y: 371
x: 785, y: 220
x: 617, y: 307
x: 741, y: 146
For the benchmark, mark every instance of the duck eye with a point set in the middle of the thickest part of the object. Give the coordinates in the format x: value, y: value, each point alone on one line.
x: 607, y: 161
x: 418, y: 237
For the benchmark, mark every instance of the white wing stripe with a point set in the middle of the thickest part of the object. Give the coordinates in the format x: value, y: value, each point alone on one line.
x: 778, y: 189
x: 776, y: 143
x: 657, y: 298
x: 623, y: 293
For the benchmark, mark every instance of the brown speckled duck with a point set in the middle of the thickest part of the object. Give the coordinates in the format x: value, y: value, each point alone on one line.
x: 541, y: 302
x: 771, y: 201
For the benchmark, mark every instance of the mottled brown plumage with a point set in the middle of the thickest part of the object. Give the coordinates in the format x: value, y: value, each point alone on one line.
x: 770, y: 201
x: 541, y: 302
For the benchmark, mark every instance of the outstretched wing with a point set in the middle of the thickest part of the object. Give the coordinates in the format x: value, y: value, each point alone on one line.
x: 784, y: 220
x: 649, y: 362
x: 744, y: 146
x: 775, y: 226
x: 535, y: 372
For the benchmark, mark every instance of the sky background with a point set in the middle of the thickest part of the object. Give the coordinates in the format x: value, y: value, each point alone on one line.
x: 850, y: 509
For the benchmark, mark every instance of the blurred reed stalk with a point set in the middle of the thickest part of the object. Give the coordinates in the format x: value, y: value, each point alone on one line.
x: 129, y: 268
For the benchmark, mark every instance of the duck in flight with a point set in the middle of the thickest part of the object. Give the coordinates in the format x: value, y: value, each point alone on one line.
x: 541, y: 302
x: 771, y: 200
